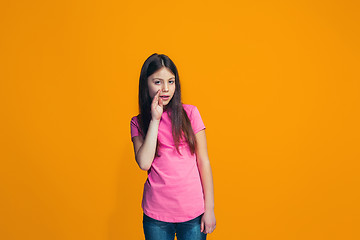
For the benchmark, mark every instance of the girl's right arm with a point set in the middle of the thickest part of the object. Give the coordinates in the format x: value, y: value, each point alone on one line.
x: 145, y: 149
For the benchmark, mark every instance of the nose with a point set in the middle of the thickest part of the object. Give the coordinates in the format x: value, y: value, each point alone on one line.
x: 165, y: 87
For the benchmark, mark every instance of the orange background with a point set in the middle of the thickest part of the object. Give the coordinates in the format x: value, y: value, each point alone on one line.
x: 276, y: 83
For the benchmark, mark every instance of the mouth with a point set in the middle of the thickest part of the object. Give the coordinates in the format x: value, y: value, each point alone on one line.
x: 165, y: 97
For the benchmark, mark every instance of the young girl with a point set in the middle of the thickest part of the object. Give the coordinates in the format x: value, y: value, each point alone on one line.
x: 170, y: 144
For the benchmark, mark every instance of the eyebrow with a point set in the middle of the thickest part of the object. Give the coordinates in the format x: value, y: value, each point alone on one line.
x: 162, y: 79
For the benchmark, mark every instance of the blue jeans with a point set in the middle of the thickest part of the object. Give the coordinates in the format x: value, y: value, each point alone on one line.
x: 159, y: 230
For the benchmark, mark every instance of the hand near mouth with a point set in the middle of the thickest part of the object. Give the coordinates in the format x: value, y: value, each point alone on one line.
x: 157, y: 107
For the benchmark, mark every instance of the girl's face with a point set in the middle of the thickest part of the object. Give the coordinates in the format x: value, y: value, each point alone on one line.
x: 163, y: 80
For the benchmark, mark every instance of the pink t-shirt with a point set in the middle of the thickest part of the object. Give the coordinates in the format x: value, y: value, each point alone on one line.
x: 173, y: 191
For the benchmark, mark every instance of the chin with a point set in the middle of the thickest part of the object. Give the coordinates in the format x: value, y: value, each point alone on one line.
x: 167, y: 102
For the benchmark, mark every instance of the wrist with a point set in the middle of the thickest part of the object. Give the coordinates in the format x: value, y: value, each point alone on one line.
x: 209, y: 208
x: 155, y: 120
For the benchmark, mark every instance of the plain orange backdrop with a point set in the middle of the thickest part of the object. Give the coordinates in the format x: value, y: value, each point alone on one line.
x: 276, y: 83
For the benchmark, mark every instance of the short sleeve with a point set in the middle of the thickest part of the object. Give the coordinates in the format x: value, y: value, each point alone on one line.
x: 134, y: 127
x: 196, y: 120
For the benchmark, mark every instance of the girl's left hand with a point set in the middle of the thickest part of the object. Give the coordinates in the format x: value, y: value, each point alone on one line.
x: 208, y: 222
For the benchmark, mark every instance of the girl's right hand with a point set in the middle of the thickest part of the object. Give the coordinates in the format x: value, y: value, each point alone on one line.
x: 157, y: 107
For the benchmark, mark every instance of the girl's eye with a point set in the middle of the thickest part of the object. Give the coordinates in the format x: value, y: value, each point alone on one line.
x: 157, y: 82
x: 171, y: 81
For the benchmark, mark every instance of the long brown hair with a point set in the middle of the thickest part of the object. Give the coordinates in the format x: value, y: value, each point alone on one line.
x: 181, y: 125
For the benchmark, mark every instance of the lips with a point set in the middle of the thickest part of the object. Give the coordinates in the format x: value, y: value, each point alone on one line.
x: 165, y: 97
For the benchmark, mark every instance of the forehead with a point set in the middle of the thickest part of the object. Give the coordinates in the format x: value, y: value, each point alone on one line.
x: 162, y: 73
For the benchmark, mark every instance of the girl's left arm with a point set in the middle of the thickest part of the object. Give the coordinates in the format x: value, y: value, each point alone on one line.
x: 208, y: 221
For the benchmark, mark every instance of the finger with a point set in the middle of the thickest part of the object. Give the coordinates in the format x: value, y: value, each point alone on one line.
x: 157, y: 94
x: 160, y: 102
x: 208, y: 229
x: 202, y: 227
x: 213, y: 227
x: 156, y: 97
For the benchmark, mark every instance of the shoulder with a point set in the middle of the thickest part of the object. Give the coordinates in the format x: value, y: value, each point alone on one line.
x: 135, y: 120
x: 134, y: 126
x: 194, y: 117
x: 189, y: 108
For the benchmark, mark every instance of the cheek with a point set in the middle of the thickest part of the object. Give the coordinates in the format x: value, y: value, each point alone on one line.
x: 152, y: 91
